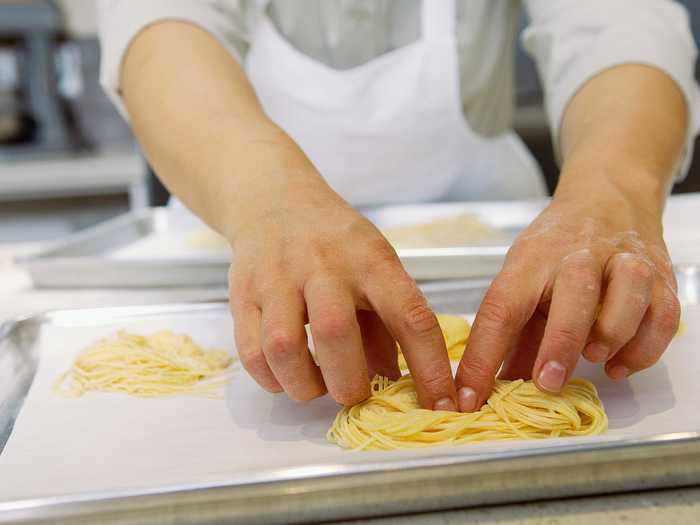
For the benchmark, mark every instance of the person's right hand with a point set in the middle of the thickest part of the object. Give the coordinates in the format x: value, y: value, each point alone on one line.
x: 301, y: 253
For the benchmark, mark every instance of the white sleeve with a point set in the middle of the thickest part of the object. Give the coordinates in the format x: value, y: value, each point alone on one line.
x: 120, y: 21
x: 573, y: 40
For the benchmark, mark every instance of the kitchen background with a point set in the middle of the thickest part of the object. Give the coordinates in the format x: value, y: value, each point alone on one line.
x: 67, y: 160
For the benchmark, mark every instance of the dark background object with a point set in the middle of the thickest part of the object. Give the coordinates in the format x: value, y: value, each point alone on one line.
x: 95, y: 116
x: 47, y: 124
x: 158, y: 194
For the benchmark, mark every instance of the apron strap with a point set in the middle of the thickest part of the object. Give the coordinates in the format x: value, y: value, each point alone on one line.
x: 438, y: 19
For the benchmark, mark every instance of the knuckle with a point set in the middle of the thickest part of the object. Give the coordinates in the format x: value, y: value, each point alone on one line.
x: 496, y: 313
x: 638, y: 269
x: 253, y: 359
x: 579, y: 260
x: 566, y: 338
x: 243, y: 311
x: 476, y: 373
x: 435, y: 380
x: 333, y: 326
x: 585, y: 275
x: 637, y: 303
x: 282, y: 345
x: 321, y: 248
x: 419, y: 319
x: 615, y: 335
x: 239, y: 288
x: 254, y: 362
x: 383, y: 258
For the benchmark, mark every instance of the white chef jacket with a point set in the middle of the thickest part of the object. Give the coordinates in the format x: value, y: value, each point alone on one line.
x: 570, y: 41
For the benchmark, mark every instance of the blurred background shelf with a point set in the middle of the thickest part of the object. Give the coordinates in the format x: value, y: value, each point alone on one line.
x: 67, y: 159
x: 116, y: 172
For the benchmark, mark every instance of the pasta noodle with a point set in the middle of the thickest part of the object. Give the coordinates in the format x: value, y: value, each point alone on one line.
x: 455, y: 330
x: 392, y: 419
x: 157, y: 365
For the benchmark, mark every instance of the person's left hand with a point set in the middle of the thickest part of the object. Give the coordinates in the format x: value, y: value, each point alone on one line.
x: 542, y: 311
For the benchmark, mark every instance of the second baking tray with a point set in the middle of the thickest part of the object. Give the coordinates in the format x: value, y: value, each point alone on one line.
x: 322, y: 483
x: 147, y: 248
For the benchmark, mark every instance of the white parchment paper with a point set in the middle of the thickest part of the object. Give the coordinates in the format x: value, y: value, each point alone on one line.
x: 104, y: 442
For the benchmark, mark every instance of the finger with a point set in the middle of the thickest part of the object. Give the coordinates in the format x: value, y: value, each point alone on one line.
x: 404, y: 311
x: 630, y: 279
x: 655, y: 332
x: 519, y: 363
x: 246, y: 330
x: 285, y: 347
x: 246, y: 320
x: 506, y: 308
x: 337, y: 340
x: 575, y: 297
x: 380, y: 348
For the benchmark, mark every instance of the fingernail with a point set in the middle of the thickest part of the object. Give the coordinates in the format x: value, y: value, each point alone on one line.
x: 552, y: 376
x: 467, y: 399
x: 596, y: 352
x: 618, y: 372
x: 445, y: 404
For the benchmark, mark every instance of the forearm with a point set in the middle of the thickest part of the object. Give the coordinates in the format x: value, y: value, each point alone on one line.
x: 624, y: 134
x: 201, y: 126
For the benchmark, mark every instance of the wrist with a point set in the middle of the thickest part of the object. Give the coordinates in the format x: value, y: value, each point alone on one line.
x: 254, y: 175
x: 262, y: 200
x: 612, y: 182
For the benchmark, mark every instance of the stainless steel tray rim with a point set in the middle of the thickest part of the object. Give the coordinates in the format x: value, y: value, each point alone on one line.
x: 330, y: 470
x: 85, y: 259
x: 51, y: 246
x: 79, y: 316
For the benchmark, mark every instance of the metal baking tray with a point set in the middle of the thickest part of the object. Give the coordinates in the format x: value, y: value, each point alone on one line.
x: 337, y: 490
x: 86, y: 259
x: 90, y: 258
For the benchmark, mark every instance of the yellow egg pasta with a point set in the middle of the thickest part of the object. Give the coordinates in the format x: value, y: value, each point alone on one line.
x: 157, y: 365
x: 392, y: 419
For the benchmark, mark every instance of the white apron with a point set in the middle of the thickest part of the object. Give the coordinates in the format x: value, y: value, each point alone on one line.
x: 391, y: 130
